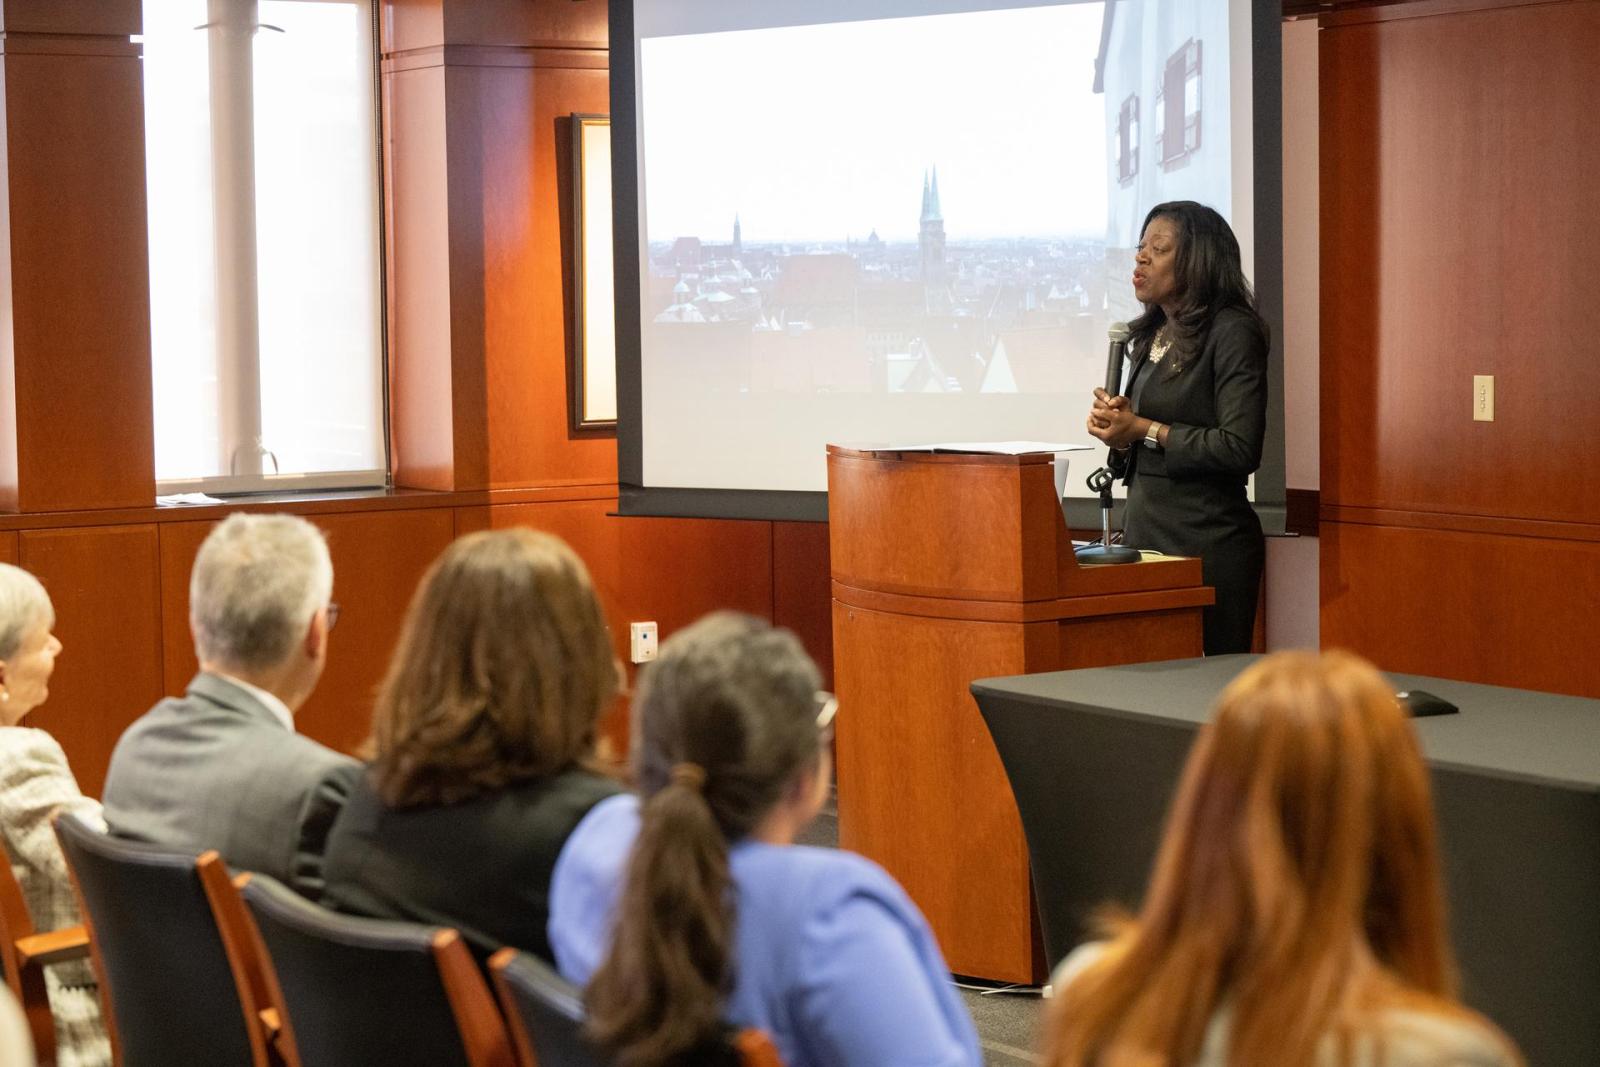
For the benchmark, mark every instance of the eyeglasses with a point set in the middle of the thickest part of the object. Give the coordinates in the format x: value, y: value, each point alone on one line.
x: 331, y: 614
x: 827, y: 708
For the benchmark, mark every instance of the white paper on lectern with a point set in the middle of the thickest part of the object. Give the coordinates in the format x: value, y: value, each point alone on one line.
x: 1061, y: 485
x: 982, y: 448
x: 1003, y: 448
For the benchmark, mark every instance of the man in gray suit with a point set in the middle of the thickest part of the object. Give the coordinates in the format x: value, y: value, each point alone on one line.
x: 222, y: 767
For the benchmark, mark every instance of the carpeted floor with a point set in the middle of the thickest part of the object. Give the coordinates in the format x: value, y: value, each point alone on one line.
x: 1007, y: 1019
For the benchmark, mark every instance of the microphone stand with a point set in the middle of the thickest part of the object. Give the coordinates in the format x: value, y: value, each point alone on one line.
x: 1105, y: 552
x: 1100, y: 481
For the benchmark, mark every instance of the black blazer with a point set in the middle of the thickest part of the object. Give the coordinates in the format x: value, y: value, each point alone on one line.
x: 1188, y: 498
x: 482, y: 866
x: 1215, y: 403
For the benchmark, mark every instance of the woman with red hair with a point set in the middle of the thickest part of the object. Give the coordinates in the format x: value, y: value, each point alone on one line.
x: 1295, y: 916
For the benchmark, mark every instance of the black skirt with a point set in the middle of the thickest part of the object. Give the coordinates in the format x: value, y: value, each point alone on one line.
x: 1211, y: 519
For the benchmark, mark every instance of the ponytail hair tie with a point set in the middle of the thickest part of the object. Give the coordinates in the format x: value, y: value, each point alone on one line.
x: 691, y: 776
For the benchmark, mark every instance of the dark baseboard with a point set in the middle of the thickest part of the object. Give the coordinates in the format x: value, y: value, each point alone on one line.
x: 1300, y: 511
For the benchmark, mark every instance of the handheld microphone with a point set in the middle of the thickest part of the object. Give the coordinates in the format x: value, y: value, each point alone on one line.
x: 1118, y: 333
x: 1100, y: 480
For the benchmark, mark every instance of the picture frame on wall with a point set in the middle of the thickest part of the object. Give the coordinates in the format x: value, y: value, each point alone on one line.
x: 593, y: 381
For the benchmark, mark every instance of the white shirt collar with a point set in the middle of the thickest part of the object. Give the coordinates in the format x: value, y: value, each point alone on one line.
x: 279, y: 709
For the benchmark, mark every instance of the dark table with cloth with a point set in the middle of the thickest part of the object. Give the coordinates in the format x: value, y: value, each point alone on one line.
x: 1094, y: 757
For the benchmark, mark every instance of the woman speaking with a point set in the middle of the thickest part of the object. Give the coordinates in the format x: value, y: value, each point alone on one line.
x: 1188, y: 433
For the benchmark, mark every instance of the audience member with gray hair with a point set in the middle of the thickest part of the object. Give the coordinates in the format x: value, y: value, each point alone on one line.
x: 222, y: 766
x: 35, y: 785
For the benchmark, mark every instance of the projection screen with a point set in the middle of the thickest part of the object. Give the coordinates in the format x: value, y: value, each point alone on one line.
x: 907, y: 221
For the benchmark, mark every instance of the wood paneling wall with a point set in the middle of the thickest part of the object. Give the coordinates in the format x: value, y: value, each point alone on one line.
x: 478, y: 95
x: 475, y: 98
x: 75, y: 408
x: 478, y: 98
x: 1459, y: 143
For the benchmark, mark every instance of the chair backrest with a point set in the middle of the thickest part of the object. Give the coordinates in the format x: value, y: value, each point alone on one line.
x: 545, y: 1015
x: 544, y: 1012
x: 170, y: 976
x: 359, y: 990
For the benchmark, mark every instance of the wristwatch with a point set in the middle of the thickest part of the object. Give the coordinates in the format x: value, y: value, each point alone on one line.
x: 1152, y: 436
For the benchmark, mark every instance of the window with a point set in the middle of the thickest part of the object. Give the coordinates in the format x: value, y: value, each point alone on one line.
x: 265, y: 294
x: 1128, y: 140
x: 1178, y: 107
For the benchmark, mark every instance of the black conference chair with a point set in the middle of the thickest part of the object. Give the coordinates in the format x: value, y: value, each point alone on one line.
x: 545, y: 1015
x: 359, y: 991
x: 174, y: 980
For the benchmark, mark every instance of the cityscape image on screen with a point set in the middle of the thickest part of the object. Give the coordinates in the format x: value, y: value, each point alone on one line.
x: 936, y: 211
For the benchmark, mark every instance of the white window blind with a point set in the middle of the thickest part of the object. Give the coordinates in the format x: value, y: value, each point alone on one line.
x: 266, y: 313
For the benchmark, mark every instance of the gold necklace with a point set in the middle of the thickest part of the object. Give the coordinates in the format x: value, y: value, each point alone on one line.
x: 1159, y: 347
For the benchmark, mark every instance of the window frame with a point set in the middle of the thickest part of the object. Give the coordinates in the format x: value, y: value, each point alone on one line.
x: 269, y: 480
x: 1128, y: 140
x: 1182, y: 67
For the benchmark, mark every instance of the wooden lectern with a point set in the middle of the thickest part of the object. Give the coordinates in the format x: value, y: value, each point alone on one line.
x: 948, y: 568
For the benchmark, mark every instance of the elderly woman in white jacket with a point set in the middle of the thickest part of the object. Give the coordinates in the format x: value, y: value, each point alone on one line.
x: 35, y: 784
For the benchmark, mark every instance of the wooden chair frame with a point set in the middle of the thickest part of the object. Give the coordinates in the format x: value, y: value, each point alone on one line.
x: 483, y: 1032
x: 263, y: 980
x: 521, y: 1042
x: 23, y: 956
x: 756, y: 1049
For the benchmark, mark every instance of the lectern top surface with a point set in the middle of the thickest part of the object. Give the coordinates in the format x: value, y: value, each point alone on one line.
x: 1516, y: 733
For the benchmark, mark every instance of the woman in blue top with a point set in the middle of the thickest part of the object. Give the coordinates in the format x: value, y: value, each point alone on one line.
x: 689, y: 906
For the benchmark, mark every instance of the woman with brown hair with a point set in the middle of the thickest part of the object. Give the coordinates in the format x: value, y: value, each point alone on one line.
x: 690, y: 906
x: 484, y: 735
x: 1295, y: 915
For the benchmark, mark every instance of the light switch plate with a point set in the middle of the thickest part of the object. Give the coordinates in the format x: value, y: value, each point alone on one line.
x: 1483, y: 398
x: 642, y: 641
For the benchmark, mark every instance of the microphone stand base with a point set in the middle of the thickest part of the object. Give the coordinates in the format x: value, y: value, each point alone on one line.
x: 1099, y: 554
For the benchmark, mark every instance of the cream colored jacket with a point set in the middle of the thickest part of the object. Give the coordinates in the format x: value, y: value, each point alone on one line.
x: 35, y: 784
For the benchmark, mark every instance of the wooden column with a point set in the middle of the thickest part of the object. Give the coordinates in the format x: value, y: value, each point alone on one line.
x: 476, y: 94
x: 75, y: 392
